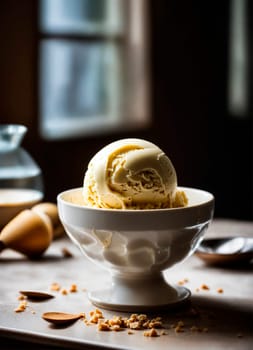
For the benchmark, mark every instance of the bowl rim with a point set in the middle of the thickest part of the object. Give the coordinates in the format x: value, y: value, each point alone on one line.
x: 77, y: 189
x: 76, y: 215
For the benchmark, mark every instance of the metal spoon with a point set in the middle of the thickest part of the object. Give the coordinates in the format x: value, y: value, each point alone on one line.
x: 59, y: 318
x: 36, y: 295
x: 228, y: 250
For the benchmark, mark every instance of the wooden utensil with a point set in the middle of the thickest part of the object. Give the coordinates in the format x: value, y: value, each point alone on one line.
x: 59, y: 318
x: 36, y: 295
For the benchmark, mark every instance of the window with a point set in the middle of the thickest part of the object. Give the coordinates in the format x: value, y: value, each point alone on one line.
x: 238, y: 84
x: 93, y: 66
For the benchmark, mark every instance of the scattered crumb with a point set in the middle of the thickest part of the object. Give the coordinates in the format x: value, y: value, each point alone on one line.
x: 73, y: 288
x: 55, y: 287
x: 134, y: 325
x: 179, y: 327
x: 141, y: 321
x: 204, y: 287
x: 155, y: 323
x: 151, y: 333
x: 22, y: 306
x: 95, y: 316
x: 179, y: 330
x: 118, y: 323
x: 180, y: 283
x: 116, y: 328
x: 22, y: 297
x: 66, y: 253
x: 183, y: 281
x: 103, y: 326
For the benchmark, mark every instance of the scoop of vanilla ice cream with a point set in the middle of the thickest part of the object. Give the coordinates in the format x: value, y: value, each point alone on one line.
x: 131, y: 174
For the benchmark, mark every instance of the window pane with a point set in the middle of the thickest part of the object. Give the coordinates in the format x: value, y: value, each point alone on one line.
x: 80, y: 86
x: 82, y: 16
x: 238, y: 60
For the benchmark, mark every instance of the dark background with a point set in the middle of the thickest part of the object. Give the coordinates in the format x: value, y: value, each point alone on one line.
x: 210, y: 149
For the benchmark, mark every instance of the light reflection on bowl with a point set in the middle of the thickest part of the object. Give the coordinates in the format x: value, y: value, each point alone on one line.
x: 136, y: 246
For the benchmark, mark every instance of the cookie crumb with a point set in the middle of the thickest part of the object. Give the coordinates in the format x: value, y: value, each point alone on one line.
x: 103, y: 325
x: 204, y: 287
x: 73, y: 288
x: 151, y: 333
x: 96, y: 316
x: 55, y: 287
x: 179, y: 327
x: 220, y: 290
x: 116, y: 328
x: 183, y: 281
x: 66, y: 253
x: 118, y: 323
x: 21, y: 307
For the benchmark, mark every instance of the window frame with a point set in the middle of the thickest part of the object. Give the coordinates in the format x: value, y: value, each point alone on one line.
x: 133, y: 111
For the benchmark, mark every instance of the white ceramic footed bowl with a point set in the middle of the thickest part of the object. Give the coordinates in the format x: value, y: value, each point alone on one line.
x: 136, y: 244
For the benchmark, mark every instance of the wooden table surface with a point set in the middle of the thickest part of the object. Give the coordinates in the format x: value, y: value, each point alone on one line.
x: 214, y: 320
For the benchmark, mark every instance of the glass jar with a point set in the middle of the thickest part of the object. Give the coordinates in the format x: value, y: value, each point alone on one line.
x: 17, y: 168
x: 21, y: 182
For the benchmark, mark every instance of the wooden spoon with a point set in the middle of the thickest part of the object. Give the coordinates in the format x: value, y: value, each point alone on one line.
x: 36, y: 295
x: 59, y: 318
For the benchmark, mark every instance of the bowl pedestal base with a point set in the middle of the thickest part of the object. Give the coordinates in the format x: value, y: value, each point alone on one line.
x: 133, y: 293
